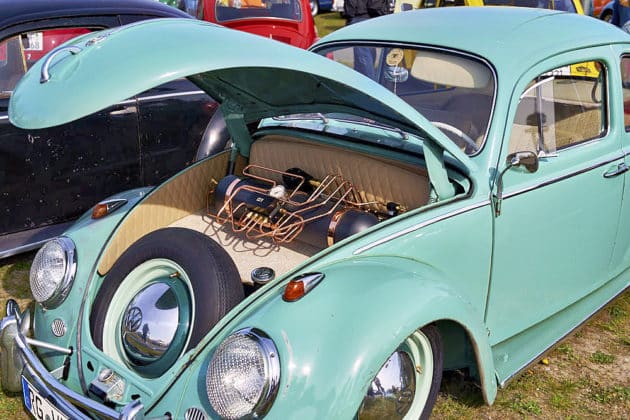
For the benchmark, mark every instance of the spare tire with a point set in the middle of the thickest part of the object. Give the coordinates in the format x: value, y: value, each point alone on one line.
x: 161, y: 297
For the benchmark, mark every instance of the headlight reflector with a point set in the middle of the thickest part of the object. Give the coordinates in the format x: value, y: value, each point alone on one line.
x: 243, y: 376
x: 52, y: 272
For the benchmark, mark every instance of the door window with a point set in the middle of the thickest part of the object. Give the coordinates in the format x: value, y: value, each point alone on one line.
x: 560, y: 109
x: 20, y: 52
x: 625, y: 83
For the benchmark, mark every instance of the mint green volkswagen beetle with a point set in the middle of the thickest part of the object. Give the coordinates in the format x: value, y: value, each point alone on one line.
x: 458, y: 205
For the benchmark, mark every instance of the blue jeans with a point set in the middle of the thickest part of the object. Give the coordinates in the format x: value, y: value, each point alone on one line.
x: 363, y: 56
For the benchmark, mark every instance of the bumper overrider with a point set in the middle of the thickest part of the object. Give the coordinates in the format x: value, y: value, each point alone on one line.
x: 19, y: 363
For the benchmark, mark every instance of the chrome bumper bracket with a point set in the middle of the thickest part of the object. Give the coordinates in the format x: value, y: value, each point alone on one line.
x: 18, y: 359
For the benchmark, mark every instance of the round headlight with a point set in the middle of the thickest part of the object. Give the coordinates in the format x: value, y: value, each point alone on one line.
x: 243, y: 375
x: 52, y: 272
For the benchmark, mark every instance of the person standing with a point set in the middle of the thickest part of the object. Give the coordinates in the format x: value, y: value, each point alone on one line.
x: 357, y: 11
x: 621, y: 14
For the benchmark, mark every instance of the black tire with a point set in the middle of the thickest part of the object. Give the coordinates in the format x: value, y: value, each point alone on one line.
x: 314, y: 7
x: 607, y: 16
x: 214, y: 279
x: 433, y: 334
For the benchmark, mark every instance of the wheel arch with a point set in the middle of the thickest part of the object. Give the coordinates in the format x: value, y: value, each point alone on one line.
x: 347, y: 297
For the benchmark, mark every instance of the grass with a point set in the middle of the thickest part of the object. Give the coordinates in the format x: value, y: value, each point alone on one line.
x: 14, y: 284
x: 328, y: 22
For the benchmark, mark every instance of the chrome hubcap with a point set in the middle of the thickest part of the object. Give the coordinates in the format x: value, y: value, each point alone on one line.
x: 150, y: 324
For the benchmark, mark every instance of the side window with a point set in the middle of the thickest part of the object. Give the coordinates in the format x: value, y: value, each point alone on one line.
x: 20, y: 52
x: 12, y: 64
x: 560, y: 109
x: 625, y: 83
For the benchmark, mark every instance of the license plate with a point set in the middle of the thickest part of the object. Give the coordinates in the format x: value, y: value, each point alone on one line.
x: 39, y: 406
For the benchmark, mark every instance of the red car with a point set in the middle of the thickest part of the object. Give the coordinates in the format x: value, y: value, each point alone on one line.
x: 289, y: 21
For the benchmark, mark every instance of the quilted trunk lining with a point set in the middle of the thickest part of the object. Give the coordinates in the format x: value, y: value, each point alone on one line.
x: 375, y: 179
x: 177, y: 198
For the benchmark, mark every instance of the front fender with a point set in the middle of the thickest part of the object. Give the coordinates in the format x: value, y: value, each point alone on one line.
x: 334, y: 340
x: 88, y: 235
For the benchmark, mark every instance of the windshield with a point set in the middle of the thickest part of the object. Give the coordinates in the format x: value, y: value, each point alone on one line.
x: 227, y: 10
x: 453, y: 91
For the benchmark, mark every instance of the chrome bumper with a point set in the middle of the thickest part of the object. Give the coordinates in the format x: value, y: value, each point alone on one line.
x: 18, y: 359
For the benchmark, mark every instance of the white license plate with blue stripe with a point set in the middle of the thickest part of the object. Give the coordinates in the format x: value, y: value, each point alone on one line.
x: 39, y: 406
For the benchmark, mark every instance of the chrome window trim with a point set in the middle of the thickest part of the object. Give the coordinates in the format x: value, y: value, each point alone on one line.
x: 604, y: 133
x: 413, y: 228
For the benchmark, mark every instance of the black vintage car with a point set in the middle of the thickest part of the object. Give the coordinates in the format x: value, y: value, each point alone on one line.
x: 49, y: 177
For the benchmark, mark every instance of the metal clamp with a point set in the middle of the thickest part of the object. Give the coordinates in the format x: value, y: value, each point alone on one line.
x: 45, y: 76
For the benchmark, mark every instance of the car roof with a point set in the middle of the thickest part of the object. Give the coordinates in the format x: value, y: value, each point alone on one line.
x: 13, y: 12
x: 505, y: 36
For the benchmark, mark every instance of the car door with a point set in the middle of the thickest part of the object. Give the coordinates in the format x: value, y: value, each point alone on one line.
x: 556, y: 229
x: 166, y: 146
x: 621, y: 257
x: 52, y: 175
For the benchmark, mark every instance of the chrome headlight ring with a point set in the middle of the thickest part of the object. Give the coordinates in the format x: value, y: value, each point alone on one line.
x: 53, y: 271
x: 243, y: 375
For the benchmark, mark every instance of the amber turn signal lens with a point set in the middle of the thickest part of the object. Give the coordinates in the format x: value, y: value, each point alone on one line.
x: 293, y: 291
x: 100, y: 210
x: 301, y: 285
x: 106, y: 207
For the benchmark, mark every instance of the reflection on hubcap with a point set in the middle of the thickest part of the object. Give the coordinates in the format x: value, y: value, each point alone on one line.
x: 150, y: 323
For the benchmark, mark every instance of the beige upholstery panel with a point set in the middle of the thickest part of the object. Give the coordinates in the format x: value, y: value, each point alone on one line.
x: 374, y: 178
x: 570, y: 130
x: 177, y: 198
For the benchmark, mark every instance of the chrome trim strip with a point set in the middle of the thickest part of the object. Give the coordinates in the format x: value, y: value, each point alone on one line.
x: 420, y: 226
x: 24, y: 248
x: 170, y: 95
x: 126, y: 102
x: 4, y: 118
x: 562, y: 338
x: 562, y: 177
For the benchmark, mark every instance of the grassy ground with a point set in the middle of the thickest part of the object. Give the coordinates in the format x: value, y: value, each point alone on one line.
x: 586, y: 377
x: 14, y: 284
x: 328, y: 22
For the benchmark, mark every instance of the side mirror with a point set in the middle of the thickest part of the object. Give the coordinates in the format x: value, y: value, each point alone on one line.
x: 529, y: 160
x: 405, y: 7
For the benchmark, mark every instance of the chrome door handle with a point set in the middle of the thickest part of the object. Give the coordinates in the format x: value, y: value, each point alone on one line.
x: 620, y: 169
x: 126, y: 110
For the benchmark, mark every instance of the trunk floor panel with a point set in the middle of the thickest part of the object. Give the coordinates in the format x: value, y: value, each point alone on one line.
x: 249, y: 254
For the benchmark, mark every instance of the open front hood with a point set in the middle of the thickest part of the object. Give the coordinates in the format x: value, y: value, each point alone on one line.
x: 252, y: 77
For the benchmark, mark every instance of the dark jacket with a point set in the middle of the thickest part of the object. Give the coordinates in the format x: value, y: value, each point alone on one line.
x: 365, y: 8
